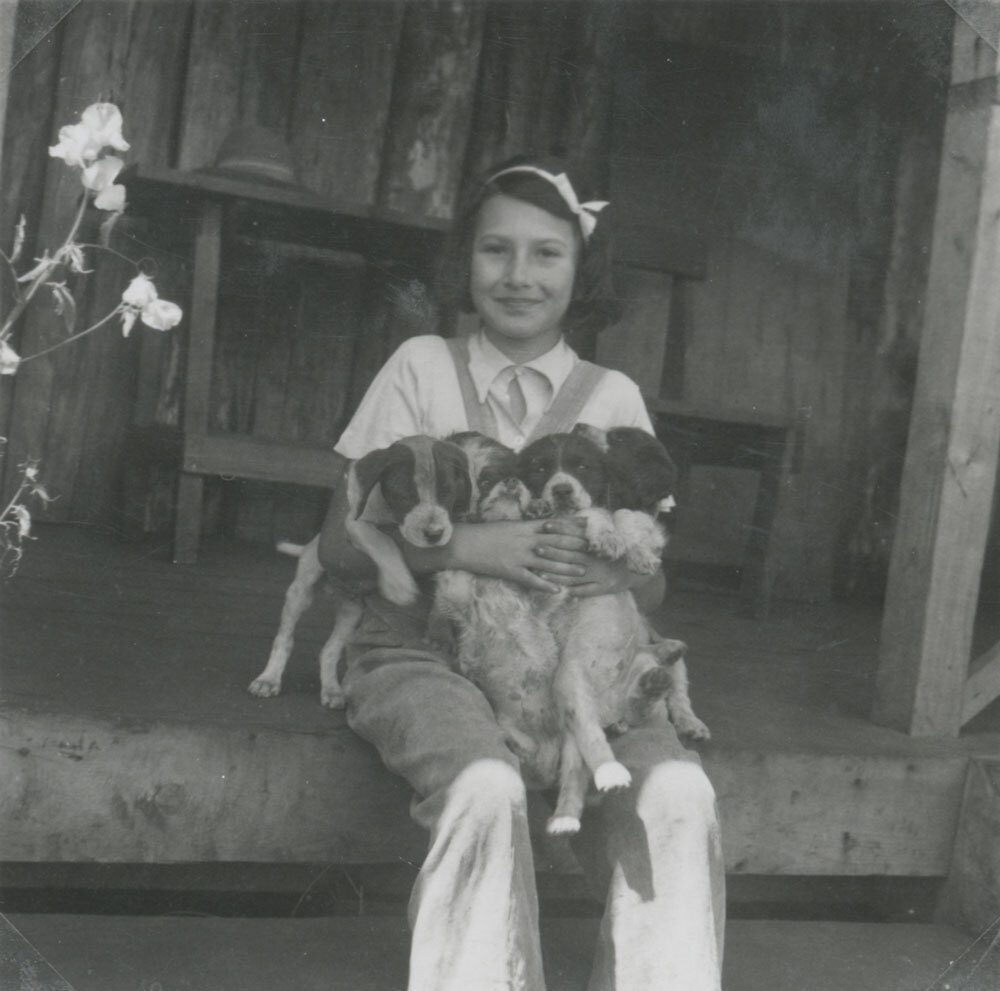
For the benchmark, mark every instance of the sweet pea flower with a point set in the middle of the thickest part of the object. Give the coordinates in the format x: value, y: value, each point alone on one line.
x: 161, y: 314
x: 99, y: 177
x: 104, y: 121
x: 9, y: 359
x: 76, y: 145
x: 140, y: 301
x: 100, y: 127
x: 140, y: 292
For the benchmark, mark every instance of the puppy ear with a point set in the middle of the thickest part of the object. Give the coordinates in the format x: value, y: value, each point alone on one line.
x: 367, y: 472
x: 594, y: 434
x: 456, y: 470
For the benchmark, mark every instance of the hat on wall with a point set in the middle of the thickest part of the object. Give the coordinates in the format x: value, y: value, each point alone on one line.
x: 256, y: 153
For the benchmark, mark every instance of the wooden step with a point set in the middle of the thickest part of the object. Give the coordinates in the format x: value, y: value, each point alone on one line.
x: 112, y: 953
x: 127, y: 733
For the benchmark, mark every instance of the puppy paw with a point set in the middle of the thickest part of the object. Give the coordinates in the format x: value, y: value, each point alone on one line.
x: 538, y: 509
x: 562, y: 826
x: 688, y: 724
x: 642, y: 560
x: 332, y: 698
x: 655, y: 683
x: 264, y: 688
x: 400, y: 589
x: 602, y: 536
x: 611, y: 776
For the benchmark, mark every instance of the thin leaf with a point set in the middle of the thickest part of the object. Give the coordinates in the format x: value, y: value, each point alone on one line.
x: 65, y: 304
x: 20, y: 232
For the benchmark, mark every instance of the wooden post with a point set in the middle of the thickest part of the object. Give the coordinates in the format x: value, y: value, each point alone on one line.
x: 951, y: 457
x: 201, y: 328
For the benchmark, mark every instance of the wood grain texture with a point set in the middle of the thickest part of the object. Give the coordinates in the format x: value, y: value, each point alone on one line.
x: 342, y: 92
x: 213, y: 81
x: 951, y: 458
x: 428, y: 126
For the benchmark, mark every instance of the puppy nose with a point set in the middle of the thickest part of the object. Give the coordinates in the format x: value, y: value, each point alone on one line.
x: 511, y: 485
x: 563, y: 490
x: 433, y: 534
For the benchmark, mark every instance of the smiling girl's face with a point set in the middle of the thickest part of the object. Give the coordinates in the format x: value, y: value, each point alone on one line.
x: 521, y: 275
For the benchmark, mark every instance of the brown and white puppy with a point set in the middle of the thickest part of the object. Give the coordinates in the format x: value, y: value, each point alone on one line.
x: 503, y: 643
x: 611, y: 669
x: 418, y: 484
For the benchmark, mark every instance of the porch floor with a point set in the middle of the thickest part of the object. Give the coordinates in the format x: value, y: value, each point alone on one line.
x: 124, y: 695
x: 102, y: 953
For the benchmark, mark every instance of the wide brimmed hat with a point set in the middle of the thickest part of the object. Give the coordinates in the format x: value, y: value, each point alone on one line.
x: 258, y: 154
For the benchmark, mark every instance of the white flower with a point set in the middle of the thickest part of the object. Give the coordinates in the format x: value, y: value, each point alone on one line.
x: 100, y: 127
x: 100, y: 178
x: 140, y: 292
x: 76, y: 145
x: 161, y: 314
x: 104, y: 120
x: 100, y: 174
x: 112, y: 198
x: 140, y: 300
x: 128, y: 320
x: 9, y: 359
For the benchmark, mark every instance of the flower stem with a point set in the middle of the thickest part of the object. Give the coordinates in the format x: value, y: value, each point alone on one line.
x: 74, y: 337
x: 43, y: 276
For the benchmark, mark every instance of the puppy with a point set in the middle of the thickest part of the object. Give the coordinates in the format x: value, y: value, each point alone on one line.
x: 611, y: 670
x: 418, y: 484
x: 503, y: 643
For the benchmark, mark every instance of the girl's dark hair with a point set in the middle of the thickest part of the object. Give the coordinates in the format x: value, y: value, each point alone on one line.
x: 593, y: 305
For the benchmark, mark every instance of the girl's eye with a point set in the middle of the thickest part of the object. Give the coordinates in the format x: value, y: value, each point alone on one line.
x: 550, y: 253
x: 492, y: 248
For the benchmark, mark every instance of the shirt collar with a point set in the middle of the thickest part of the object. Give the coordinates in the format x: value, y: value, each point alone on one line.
x: 486, y: 362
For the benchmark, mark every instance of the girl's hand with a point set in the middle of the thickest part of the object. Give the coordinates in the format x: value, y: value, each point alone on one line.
x: 599, y: 576
x: 530, y: 553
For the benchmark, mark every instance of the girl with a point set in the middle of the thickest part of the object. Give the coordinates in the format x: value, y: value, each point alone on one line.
x: 533, y: 266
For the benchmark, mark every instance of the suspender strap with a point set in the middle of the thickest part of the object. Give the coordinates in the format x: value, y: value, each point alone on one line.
x: 559, y: 418
x: 565, y: 409
x: 479, y: 416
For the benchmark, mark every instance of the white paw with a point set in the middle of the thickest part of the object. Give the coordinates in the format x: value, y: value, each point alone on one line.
x: 400, y: 589
x: 264, y: 688
x: 332, y: 698
x: 562, y: 826
x: 642, y: 560
x: 612, y: 775
x: 603, y: 538
x: 688, y: 724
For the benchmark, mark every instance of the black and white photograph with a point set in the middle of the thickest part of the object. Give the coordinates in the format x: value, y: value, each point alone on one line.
x: 499, y: 495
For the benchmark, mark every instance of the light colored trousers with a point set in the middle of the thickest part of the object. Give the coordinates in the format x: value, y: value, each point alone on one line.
x: 654, y: 848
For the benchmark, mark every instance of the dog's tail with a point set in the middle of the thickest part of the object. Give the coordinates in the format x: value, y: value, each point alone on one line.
x: 293, y: 550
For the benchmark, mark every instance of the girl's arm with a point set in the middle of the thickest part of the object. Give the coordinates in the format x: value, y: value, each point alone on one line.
x: 518, y: 552
x: 599, y: 576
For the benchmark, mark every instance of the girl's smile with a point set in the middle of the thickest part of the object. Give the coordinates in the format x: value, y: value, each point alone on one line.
x: 522, y: 274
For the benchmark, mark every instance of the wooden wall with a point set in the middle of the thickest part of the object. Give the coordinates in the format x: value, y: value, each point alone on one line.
x: 770, y: 137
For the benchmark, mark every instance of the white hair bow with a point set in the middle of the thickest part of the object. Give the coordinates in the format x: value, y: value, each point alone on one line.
x: 585, y: 212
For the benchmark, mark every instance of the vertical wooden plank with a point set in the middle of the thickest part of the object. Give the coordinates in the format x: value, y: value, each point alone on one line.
x: 197, y: 392
x: 431, y: 107
x: 545, y: 85
x: 268, y: 76
x: 342, y: 95
x: 522, y: 84
x: 216, y: 54
x: 951, y: 458
x: 636, y: 345
x: 152, y: 82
